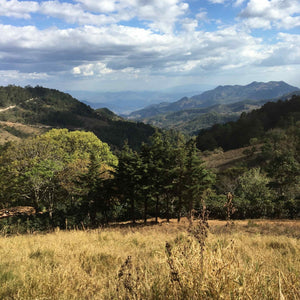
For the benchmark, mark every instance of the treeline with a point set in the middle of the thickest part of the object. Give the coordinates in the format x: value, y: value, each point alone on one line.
x: 233, y: 135
x: 73, y: 179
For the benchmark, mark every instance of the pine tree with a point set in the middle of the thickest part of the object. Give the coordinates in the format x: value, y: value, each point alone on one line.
x: 197, y: 178
x: 128, y: 179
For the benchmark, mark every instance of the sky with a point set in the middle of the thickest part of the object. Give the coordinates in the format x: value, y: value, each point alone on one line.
x: 118, y: 45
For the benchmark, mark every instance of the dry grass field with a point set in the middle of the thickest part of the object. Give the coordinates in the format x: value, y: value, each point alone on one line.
x: 222, y: 160
x: 8, y: 131
x: 256, y: 259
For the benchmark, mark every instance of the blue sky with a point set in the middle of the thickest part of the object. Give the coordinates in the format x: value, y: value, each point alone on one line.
x: 115, y: 45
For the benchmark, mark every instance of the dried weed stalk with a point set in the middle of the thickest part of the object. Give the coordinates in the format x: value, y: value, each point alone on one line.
x: 173, y: 270
x: 200, y: 230
x: 230, y: 209
x: 125, y: 276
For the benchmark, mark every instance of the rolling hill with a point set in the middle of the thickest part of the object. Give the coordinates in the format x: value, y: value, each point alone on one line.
x: 42, y: 108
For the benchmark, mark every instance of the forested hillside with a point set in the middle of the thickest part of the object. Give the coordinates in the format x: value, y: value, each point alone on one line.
x: 191, y: 121
x: 232, y: 135
x: 48, y: 108
x: 73, y: 178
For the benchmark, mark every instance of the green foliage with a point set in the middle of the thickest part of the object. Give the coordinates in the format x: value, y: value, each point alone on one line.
x: 73, y: 178
x: 253, y: 189
x: 232, y: 135
x: 166, y: 179
x: 281, y: 157
x: 45, y: 171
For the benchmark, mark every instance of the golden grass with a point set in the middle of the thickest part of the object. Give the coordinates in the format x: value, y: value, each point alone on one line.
x: 95, y: 264
x: 31, y: 130
x: 224, y: 160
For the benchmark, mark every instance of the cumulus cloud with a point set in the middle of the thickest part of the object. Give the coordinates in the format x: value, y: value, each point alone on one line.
x: 93, y: 51
x: 164, y: 38
x: 285, y: 52
x: 101, y: 6
x: 17, y: 9
x: 98, y: 68
x: 160, y: 15
x: 272, y: 13
x: 73, y: 13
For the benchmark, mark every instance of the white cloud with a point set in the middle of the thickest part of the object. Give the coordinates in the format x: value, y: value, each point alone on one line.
x: 160, y: 15
x: 92, y: 51
x: 163, y: 40
x: 239, y: 2
x: 272, y: 13
x: 8, y: 75
x: 97, y: 69
x: 100, y: 6
x: 17, y: 9
x: 73, y: 13
x: 163, y: 14
x: 285, y: 52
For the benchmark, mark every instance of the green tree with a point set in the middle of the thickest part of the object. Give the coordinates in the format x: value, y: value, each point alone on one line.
x: 254, y: 191
x: 197, y: 177
x: 44, y: 171
x: 281, y: 161
x: 127, y: 179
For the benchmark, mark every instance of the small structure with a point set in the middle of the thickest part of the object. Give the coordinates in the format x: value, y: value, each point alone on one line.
x: 17, y: 211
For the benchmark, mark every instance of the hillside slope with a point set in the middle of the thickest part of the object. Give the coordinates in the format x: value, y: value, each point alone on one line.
x: 233, y: 135
x: 47, y: 108
x: 221, y: 95
x: 190, y: 121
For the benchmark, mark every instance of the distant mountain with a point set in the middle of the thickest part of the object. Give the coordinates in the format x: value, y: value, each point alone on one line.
x: 125, y: 102
x: 190, y: 121
x: 47, y: 108
x: 221, y: 95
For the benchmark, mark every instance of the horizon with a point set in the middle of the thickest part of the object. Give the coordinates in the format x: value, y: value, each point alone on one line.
x: 155, y: 45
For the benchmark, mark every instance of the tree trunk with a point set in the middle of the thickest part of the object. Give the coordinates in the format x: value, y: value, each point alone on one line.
x: 156, y: 209
x: 168, y: 208
x: 132, y: 211
x: 179, y: 208
x: 145, y: 210
x: 190, y: 207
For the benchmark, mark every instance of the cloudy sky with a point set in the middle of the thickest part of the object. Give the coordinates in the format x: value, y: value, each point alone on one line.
x: 115, y: 45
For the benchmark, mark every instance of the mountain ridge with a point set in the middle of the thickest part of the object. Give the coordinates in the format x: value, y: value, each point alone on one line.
x: 220, y: 95
x: 55, y: 109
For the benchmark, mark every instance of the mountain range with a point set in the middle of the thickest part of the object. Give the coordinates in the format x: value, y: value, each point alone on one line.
x: 222, y: 104
x: 33, y: 110
x: 125, y: 102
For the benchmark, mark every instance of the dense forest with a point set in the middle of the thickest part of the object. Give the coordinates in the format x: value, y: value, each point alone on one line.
x: 254, y: 124
x: 72, y: 177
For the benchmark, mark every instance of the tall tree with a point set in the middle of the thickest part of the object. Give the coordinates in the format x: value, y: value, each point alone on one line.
x: 128, y: 176
x: 197, y: 177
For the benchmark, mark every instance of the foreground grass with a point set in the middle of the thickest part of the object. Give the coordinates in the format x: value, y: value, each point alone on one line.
x: 254, y: 260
